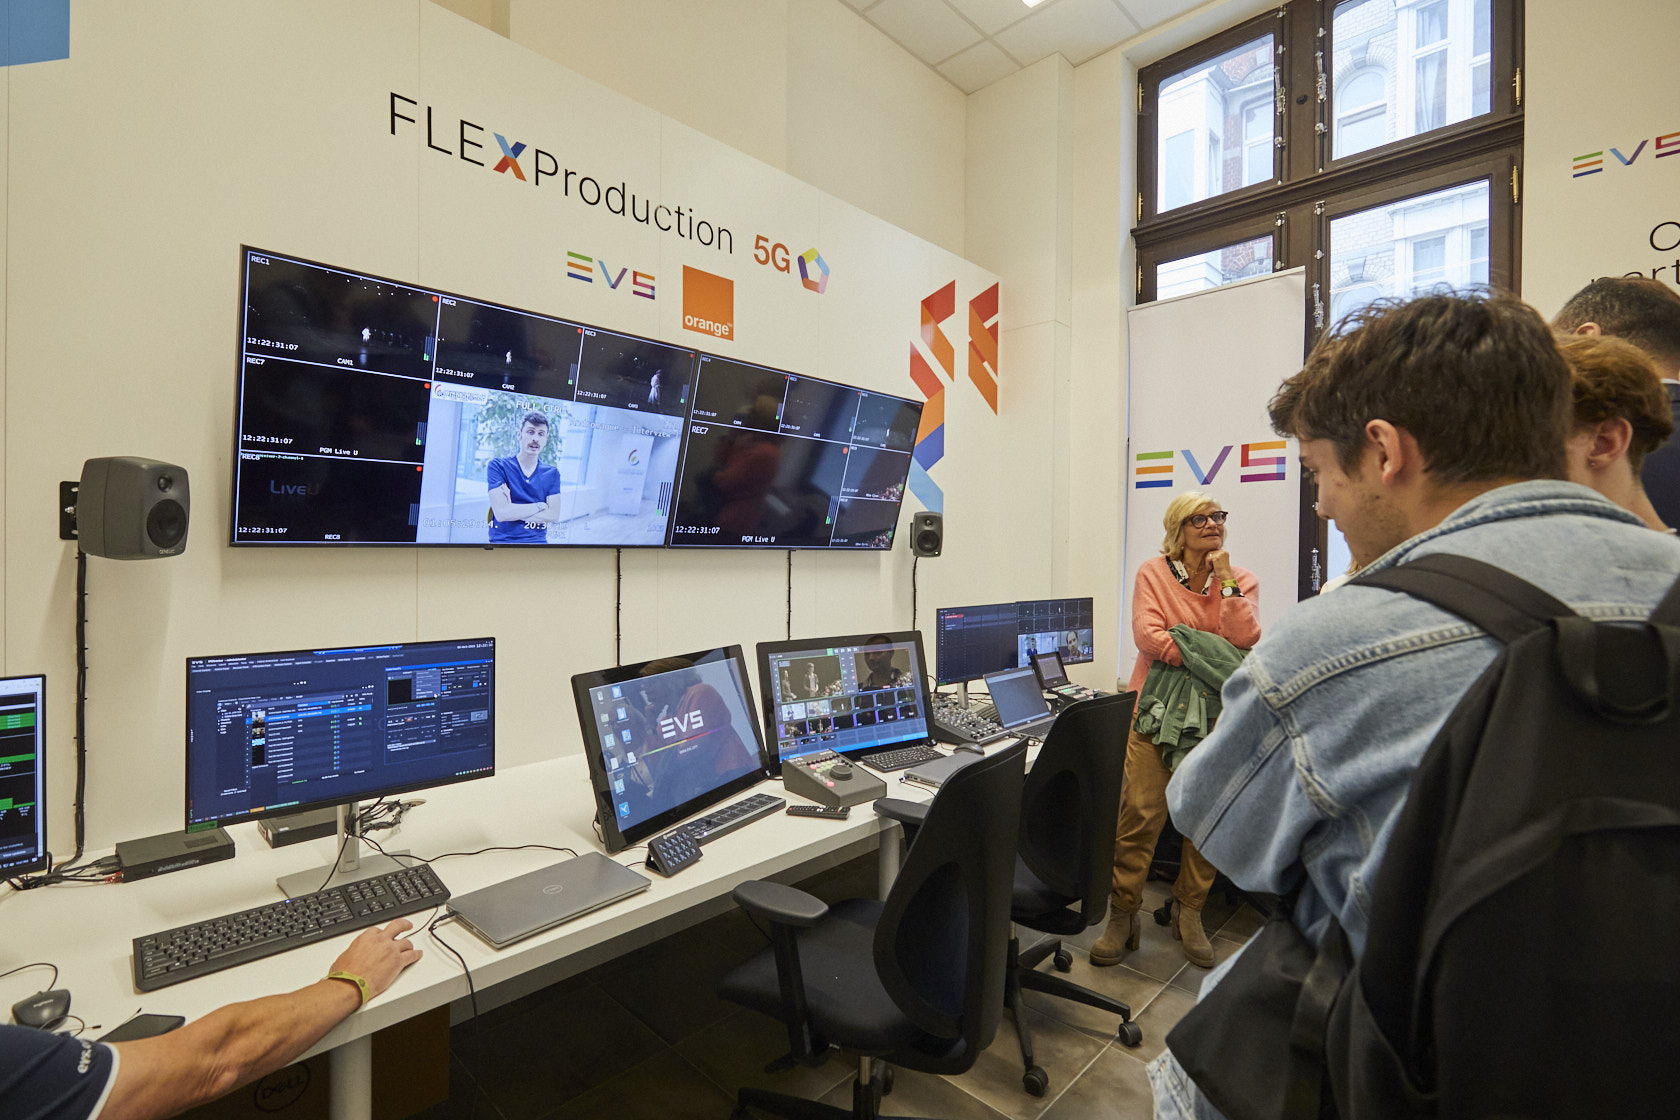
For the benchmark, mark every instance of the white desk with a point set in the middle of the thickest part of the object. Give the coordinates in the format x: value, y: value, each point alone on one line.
x: 87, y: 930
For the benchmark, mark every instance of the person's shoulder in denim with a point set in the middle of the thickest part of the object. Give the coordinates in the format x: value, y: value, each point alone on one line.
x: 1326, y: 721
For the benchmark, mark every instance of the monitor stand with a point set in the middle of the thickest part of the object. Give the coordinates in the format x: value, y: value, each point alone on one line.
x: 352, y: 864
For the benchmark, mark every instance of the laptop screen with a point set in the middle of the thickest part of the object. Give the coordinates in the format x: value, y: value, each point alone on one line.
x: 1017, y: 697
x: 849, y: 695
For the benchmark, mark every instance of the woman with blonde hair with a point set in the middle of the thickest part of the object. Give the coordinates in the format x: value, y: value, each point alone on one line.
x: 1192, y: 583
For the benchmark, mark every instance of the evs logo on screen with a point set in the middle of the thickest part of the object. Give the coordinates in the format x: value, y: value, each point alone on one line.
x: 1154, y: 469
x: 681, y: 725
x: 581, y: 267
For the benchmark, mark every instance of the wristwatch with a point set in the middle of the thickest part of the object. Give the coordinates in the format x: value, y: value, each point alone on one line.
x: 1229, y: 588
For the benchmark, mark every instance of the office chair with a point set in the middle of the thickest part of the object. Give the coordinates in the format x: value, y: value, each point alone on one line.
x: 1062, y: 874
x: 915, y: 980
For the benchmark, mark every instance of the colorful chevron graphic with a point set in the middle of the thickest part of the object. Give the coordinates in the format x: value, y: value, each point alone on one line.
x: 936, y: 355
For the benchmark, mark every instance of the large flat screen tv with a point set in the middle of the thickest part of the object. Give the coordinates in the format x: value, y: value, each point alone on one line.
x: 373, y: 412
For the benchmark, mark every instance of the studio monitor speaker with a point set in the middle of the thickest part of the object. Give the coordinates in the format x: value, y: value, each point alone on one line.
x: 128, y: 508
x: 927, y: 534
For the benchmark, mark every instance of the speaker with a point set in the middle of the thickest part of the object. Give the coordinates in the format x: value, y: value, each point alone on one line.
x: 927, y: 534
x: 129, y: 508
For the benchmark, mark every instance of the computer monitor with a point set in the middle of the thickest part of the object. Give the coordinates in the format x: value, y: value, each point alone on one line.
x: 850, y: 695
x: 973, y: 641
x: 1063, y: 625
x: 23, y: 776
x: 275, y: 733
x: 666, y: 738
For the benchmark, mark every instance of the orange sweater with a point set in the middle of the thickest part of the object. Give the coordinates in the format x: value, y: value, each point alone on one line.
x: 1159, y: 601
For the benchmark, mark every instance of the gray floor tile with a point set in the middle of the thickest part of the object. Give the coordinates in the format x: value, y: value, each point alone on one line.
x: 1060, y: 1050
x: 1162, y: 1014
x: 922, y: 1094
x: 1113, y: 1087
x: 1189, y: 978
x: 1127, y: 985
x: 662, y: 1088
x: 549, y: 1047
x: 1243, y: 924
x: 734, y: 1051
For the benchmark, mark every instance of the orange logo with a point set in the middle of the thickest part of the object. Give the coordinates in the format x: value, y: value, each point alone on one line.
x: 708, y: 303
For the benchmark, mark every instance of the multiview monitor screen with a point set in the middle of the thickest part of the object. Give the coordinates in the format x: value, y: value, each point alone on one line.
x: 375, y: 412
x: 779, y: 460
x: 974, y: 641
x: 666, y: 738
x: 271, y: 733
x: 850, y: 695
x: 23, y: 776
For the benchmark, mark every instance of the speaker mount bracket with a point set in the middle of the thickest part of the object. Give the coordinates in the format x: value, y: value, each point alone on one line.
x: 67, y: 492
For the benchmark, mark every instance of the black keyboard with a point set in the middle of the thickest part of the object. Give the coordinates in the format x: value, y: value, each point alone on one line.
x: 899, y: 759
x: 718, y: 822
x: 188, y: 952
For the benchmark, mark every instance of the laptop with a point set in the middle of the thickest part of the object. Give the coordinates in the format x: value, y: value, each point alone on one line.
x: 528, y: 904
x: 1020, y: 703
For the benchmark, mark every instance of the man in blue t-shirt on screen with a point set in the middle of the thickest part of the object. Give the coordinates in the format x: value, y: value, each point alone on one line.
x: 524, y: 494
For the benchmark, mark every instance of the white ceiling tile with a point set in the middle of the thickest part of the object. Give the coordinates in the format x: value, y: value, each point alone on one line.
x: 977, y: 67
x: 1077, y: 29
x: 991, y: 16
x: 1153, y: 13
x: 928, y: 29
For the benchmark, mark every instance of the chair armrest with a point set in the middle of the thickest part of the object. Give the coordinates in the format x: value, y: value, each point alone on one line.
x: 779, y: 903
x: 910, y: 814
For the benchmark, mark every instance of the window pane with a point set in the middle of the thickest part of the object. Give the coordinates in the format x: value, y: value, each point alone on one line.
x: 1229, y: 103
x: 1431, y: 60
x: 1410, y: 247
x: 1213, y: 268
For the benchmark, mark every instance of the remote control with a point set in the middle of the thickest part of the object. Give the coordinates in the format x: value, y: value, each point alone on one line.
x: 833, y: 813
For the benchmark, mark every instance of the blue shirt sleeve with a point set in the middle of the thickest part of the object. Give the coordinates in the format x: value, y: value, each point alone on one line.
x: 46, y: 1076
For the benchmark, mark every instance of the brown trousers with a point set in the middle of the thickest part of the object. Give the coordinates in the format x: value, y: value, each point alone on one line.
x: 1143, y: 811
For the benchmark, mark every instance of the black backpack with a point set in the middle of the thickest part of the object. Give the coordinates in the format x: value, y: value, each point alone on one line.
x: 1523, y: 958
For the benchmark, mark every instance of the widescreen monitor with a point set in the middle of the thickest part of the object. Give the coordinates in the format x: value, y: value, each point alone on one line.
x: 666, y: 738
x: 851, y: 695
x: 970, y: 642
x: 272, y: 733
x: 375, y: 412
x: 778, y: 460
x: 23, y: 776
x: 1062, y: 625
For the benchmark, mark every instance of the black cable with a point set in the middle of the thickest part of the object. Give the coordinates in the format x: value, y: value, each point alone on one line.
x: 618, y: 607
x: 81, y: 703
x: 53, y: 983
x: 431, y: 928
x: 790, y: 595
x: 451, y: 855
x: 915, y: 560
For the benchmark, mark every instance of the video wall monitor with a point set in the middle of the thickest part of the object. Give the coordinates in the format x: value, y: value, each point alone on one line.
x: 271, y: 733
x: 23, y: 776
x: 779, y: 460
x: 1062, y: 625
x: 374, y: 412
x: 666, y: 738
x: 850, y: 695
x: 970, y: 642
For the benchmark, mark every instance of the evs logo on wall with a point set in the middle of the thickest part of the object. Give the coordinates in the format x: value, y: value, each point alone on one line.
x: 581, y: 267
x: 1154, y: 469
x: 1593, y: 162
x: 708, y: 303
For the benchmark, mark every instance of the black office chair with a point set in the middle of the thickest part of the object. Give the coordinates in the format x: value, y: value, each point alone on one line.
x: 915, y: 980
x: 1062, y: 875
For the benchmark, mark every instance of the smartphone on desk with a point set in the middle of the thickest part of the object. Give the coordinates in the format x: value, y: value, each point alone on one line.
x: 142, y: 1026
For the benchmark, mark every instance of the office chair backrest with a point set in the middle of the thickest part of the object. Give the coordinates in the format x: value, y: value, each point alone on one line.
x: 942, y: 943
x: 1072, y: 800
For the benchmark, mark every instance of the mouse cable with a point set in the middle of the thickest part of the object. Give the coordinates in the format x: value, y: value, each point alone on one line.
x: 53, y: 983
x: 432, y: 928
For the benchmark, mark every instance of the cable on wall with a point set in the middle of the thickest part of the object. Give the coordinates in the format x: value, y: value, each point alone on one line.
x: 618, y: 605
x: 914, y: 560
x: 790, y: 596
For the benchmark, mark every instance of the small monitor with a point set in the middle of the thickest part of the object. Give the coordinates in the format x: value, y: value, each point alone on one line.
x: 850, y: 695
x: 1048, y: 666
x: 271, y: 733
x: 1062, y: 625
x: 666, y: 738
x: 23, y: 776
x: 973, y: 641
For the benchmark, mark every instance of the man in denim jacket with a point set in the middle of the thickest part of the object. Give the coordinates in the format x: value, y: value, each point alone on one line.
x: 1431, y: 426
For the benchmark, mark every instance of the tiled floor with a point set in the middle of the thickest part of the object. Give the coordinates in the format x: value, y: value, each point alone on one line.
x: 644, y: 1037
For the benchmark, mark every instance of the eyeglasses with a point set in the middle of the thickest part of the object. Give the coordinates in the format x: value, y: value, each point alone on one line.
x: 1198, y: 520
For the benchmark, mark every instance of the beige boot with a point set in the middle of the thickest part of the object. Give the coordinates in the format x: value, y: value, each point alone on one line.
x: 1187, y: 927
x: 1121, y: 935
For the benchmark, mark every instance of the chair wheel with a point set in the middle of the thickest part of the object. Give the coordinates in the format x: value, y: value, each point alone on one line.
x: 1131, y: 1034
x: 1063, y: 960
x: 1036, y: 1081
x: 1163, y: 915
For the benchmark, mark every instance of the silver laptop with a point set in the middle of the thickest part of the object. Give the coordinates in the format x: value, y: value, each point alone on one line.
x: 1021, y: 707
x: 528, y: 904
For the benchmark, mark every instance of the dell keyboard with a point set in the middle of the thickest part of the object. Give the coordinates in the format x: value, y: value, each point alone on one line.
x: 899, y: 759
x: 720, y: 822
x: 188, y: 952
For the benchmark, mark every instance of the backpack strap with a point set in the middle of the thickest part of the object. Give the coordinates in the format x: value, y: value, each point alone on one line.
x: 1504, y: 605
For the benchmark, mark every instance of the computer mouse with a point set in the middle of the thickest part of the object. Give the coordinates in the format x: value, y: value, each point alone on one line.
x: 43, y: 1010
x: 971, y: 748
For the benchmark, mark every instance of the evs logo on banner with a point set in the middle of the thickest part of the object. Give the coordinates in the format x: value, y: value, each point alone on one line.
x: 580, y: 267
x: 1593, y: 162
x: 1154, y: 469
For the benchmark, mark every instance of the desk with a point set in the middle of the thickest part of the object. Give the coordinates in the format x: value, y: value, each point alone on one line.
x: 87, y: 930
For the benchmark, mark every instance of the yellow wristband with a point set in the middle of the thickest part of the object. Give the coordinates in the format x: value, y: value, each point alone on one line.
x: 1228, y: 583
x: 360, y: 982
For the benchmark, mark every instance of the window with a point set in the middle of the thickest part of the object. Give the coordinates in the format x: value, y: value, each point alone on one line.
x: 1374, y: 142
